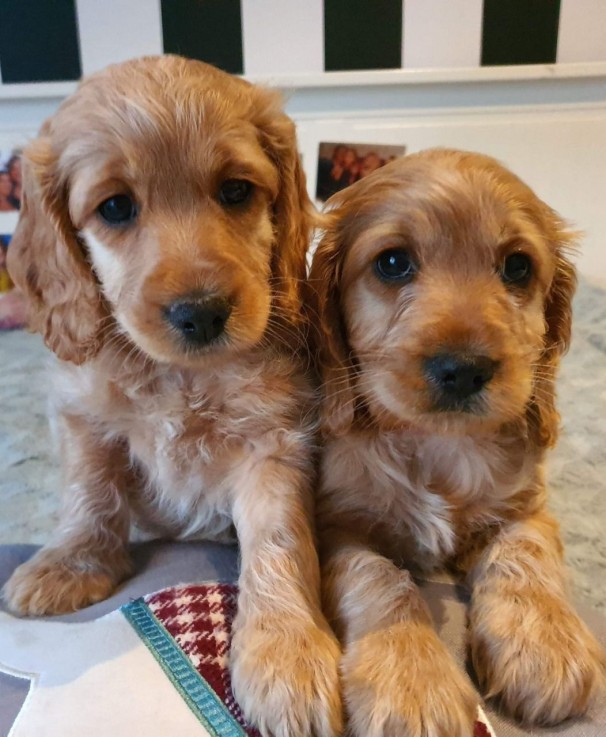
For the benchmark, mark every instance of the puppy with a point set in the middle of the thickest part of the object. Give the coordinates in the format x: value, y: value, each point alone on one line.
x: 443, y: 298
x: 161, y: 247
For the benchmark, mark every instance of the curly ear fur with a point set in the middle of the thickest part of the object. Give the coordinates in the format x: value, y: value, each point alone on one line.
x: 333, y: 356
x: 294, y: 220
x: 46, y: 262
x: 543, y: 415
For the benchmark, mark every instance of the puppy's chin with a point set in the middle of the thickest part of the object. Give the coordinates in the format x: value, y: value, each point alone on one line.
x: 393, y: 406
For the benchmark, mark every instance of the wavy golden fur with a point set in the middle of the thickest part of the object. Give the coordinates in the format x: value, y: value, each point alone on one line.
x: 443, y: 299
x: 182, y: 438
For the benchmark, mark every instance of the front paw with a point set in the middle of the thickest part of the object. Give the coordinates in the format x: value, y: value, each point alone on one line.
x: 57, y: 581
x: 285, y: 678
x: 402, y: 682
x: 537, y: 656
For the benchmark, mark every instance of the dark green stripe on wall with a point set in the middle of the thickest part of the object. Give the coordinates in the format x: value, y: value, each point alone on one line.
x: 210, y: 30
x: 38, y: 41
x: 362, y: 34
x: 520, y: 32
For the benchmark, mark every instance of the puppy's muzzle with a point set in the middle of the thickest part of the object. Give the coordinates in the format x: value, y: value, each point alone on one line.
x: 456, y: 378
x: 199, y: 322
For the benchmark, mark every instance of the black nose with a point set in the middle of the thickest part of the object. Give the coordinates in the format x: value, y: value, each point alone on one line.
x: 199, y: 322
x: 459, y: 376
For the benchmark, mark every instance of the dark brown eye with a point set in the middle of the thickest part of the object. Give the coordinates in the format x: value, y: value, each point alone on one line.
x: 395, y: 266
x: 235, y: 191
x: 516, y: 269
x: 118, y: 210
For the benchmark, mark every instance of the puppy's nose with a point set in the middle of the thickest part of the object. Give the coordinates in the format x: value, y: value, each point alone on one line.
x: 459, y: 376
x: 199, y: 322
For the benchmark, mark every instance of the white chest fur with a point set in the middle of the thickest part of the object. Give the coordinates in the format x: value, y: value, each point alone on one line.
x: 188, y: 433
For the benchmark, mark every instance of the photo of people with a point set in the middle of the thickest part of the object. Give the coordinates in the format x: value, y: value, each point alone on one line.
x: 10, y: 181
x: 12, y: 305
x: 5, y: 281
x: 342, y: 164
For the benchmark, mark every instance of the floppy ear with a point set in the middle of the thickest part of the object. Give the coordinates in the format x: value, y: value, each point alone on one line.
x: 543, y: 415
x: 47, y: 263
x: 294, y: 221
x: 333, y: 356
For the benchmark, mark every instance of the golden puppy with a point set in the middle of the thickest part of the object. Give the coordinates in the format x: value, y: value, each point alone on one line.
x: 161, y: 247
x: 443, y: 297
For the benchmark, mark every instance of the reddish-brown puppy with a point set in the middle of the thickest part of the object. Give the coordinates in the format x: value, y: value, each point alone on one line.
x: 443, y: 294
x: 161, y: 248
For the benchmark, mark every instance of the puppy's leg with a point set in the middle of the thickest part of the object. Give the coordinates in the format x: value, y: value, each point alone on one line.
x: 284, y: 658
x: 528, y: 645
x: 398, y: 678
x: 87, y: 555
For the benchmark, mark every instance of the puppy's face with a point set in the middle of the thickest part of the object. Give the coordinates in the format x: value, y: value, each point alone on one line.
x: 173, y: 177
x: 446, y: 271
x: 180, y: 234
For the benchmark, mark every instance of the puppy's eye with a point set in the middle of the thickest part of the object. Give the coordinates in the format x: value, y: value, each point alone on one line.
x: 396, y: 266
x: 516, y: 269
x: 235, y: 191
x: 118, y: 210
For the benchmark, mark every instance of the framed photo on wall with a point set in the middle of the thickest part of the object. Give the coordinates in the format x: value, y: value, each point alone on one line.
x: 341, y: 164
x: 12, y: 308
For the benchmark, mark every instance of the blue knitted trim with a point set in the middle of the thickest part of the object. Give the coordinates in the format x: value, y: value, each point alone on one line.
x: 198, y: 695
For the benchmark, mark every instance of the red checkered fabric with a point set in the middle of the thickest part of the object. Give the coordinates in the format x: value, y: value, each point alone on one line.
x: 199, y: 618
